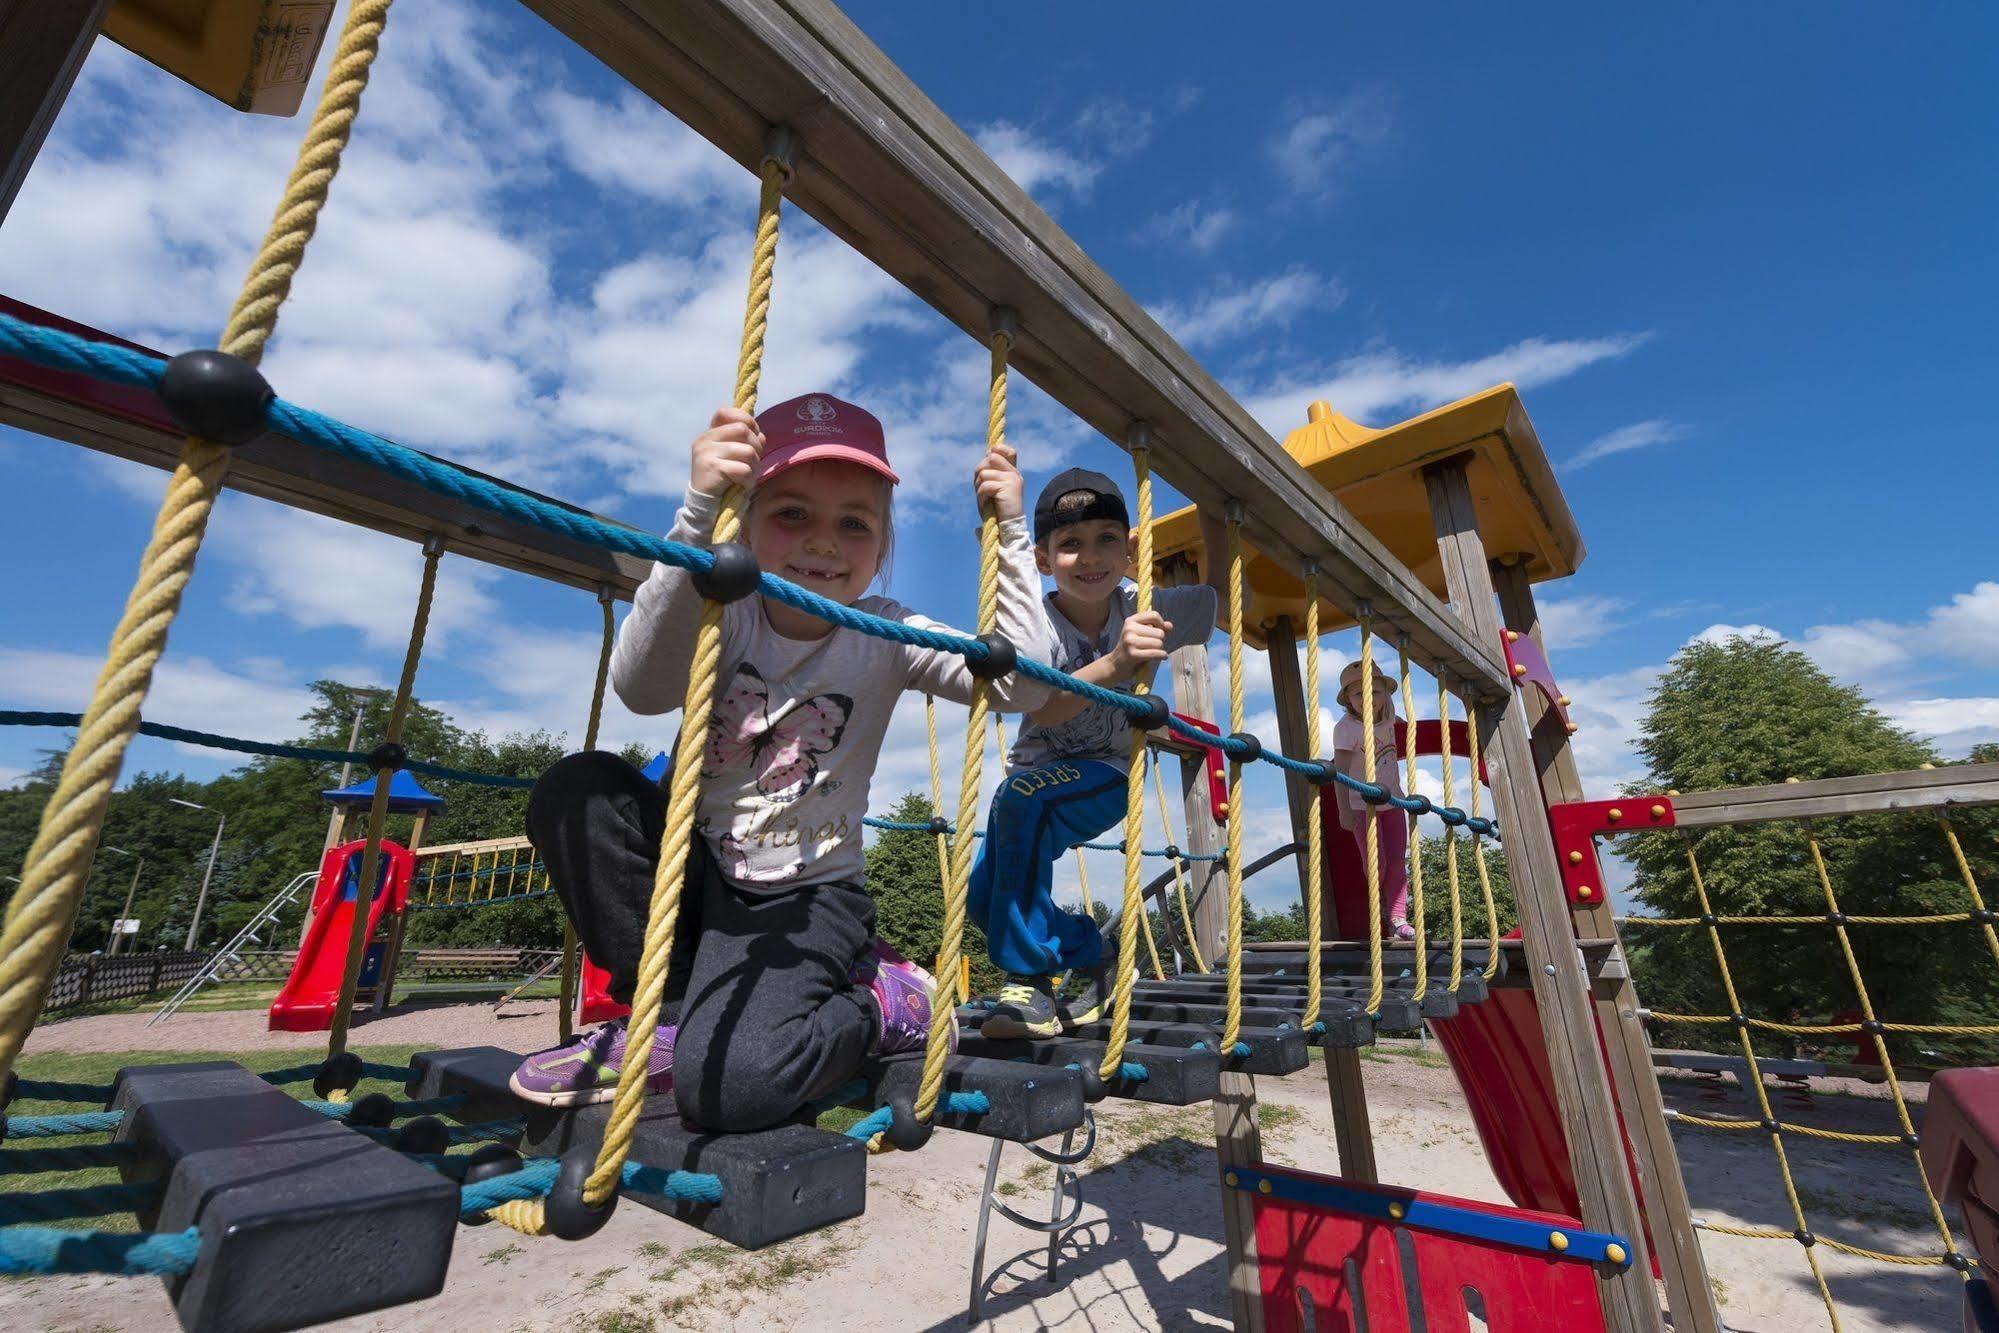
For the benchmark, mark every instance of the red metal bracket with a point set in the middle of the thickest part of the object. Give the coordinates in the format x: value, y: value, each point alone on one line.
x: 1528, y: 665
x: 1575, y: 825
x: 1218, y: 777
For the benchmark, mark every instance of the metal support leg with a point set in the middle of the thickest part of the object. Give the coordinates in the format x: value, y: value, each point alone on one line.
x: 1056, y: 1224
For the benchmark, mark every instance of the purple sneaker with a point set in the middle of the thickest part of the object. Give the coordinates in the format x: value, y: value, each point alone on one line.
x: 584, y: 1070
x: 902, y: 992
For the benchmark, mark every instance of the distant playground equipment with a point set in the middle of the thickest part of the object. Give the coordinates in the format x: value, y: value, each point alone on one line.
x: 1350, y: 526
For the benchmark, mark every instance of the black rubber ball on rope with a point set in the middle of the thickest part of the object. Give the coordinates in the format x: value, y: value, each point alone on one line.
x: 1000, y: 658
x: 377, y: 1110
x: 1153, y: 712
x: 339, y: 1074
x: 1094, y: 1090
x: 1322, y: 774
x: 734, y: 575
x: 1171, y: 851
x: 425, y: 1134
x: 216, y: 396
x: 905, y: 1131
x: 486, y: 1162
x: 1249, y: 748
x: 939, y: 824
x: 388, y: 755
x: 567, y: 1214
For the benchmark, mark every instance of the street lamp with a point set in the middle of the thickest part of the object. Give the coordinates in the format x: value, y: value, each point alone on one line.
x: 194, y: 926
x: 116, y: 933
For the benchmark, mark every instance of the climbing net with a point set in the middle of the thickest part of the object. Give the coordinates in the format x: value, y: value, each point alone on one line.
x: 221, y: 400
x: 1870, y: 1030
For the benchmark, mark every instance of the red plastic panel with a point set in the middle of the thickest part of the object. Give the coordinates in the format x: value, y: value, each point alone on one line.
x: 1361, y: 1273
x: 307, y: 1000
x: 1528, y: 666
x: 597, y: 1002
x: 1575, y: 825
x: 1961, y: 1157
x: 1218, y: 777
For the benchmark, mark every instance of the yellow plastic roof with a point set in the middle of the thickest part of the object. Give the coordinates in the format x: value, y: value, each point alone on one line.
x: 1378, y: 476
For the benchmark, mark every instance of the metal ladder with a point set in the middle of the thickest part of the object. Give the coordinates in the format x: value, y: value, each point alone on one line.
x: 230, y: 953
x: 1055, y: 1225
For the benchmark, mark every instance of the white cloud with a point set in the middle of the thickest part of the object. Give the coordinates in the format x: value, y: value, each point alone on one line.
x: 1192, y: 225
x: 1953, y: 725
x: 1968, y: 627
x: 1720, y: 635
x: 253, y: 697
x: 1236, y: 311
x: 1369, y: 385
x: 1035, y: 163
x: 1574, y: 622
x: 1314, y: 147
x: 634, y: 146
x: 1637, y: 435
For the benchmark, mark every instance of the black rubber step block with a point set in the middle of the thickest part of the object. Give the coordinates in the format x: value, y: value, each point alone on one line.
x: 1270, y: 1051
x: 1028, y: 1101
x: 302, y: 1219
x: 1175, y: 1075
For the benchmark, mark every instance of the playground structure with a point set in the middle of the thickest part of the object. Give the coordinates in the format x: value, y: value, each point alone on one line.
x: 833, y: 128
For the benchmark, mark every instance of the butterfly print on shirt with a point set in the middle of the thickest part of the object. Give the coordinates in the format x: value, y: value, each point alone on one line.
x: 782, y: 752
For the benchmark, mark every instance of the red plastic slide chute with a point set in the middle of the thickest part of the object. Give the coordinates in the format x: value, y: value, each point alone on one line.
x: 310, y: 994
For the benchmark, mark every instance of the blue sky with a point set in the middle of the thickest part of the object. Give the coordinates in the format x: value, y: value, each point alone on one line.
x: 1738, y: 262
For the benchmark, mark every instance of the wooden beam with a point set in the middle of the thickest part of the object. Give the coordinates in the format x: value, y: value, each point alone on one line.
x: 1561, y: 990
x: 1353, y: 1126
x: 1619, y: 1014
x: 1872, y: 793
x: 129, y: 424
x: 888, y: 172
x: 42, y: 46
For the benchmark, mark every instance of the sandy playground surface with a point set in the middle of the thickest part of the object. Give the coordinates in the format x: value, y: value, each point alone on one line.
x: 1147, y: 1253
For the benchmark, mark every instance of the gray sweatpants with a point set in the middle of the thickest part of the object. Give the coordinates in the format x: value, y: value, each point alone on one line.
x: 760, y: 983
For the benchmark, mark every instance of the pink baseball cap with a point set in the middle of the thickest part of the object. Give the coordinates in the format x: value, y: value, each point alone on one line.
x: 816, y: 426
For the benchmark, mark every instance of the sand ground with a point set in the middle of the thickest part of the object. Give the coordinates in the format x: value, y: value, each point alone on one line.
x: 1146, y: 1253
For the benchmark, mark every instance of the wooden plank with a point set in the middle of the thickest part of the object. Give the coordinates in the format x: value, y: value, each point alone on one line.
x: 1353, y: 1126
x: 1238, y: 1143
x: 132, y: 425
x: 1871, y: 793
x: 1561, y: 991
x: 42, y: 46
x: 1619, y: 1014
x: 884, y: 169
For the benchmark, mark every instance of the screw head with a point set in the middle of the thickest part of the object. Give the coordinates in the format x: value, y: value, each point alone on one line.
x: 1557, y: 1241
x: 1615, y: 1253
x: 1519, y: 668
x: 1658, y: 812
x: 1613, y: 814
x: 1547, y: 969
x: 1575, y: 858
x: 1584, y: 891
x: 1398, y: 1210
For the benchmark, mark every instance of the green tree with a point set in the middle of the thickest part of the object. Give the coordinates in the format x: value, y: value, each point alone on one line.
x: 1755, y: 712
x: 908, y: 891
x: 1437, y: 888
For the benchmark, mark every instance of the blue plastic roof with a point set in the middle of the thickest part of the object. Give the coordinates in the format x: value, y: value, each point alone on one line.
x: 654, y: 770
x: 405, y: 796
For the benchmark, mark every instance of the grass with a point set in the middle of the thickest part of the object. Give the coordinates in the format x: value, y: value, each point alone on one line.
x: 101, y: 1067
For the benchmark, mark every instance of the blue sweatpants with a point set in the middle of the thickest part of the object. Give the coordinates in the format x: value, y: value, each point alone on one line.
x: 1037, y: 815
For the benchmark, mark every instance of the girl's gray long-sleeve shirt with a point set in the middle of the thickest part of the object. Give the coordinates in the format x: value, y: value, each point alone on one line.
x: 799, y: 723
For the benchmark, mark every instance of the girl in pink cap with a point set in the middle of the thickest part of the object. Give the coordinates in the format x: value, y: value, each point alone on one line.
x: 778, y: 990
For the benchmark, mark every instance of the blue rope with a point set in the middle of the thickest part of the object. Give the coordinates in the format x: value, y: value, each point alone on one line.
x: 915, y: 826
x: 89, y: 1201
x: 874, y: 1122
x: 58, y: 350
x: 537, y: 1177
x: 404, y: 1110
x: 50, y: 1090
x: 19, y: 717
x: 1133, y: 1072
x: 54, y: 1126
x: 76, y: 1157
x: 30, y: 1250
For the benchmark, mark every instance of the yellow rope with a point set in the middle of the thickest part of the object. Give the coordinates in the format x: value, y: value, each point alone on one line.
x: 1756, y: 1084
x: 1970, y: 884
x: 1415, y: 834
x: 1179, y: 876
x: 937, y: 786
x: 44, y: 906
x: 1232, y: 1023
x: 1937, y: 919
x: 1767, y: 1233
x: 1810, y: 1131
x: 684, y: 793
x: 1491, y: 968
x: 1835, y: 1029
x: 1315, y: 817
x: 1083, y: 881
x: 378, y: 810
x: 1371, y: 860
x: 943, y: 1017
x: 1880, y: 1039
x: 1131, y: 916
x: 565, y: 1006
x: 1450, y: 840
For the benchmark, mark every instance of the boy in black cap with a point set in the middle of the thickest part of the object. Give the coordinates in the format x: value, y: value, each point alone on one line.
x: 1065, y: 780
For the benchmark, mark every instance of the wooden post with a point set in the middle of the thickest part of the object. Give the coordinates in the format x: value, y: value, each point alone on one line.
x: 42, y: 46
x: 1352, y: 1127
x: 1681, y: 1264
x: 1237, y: 1141
x: 1561, y: 991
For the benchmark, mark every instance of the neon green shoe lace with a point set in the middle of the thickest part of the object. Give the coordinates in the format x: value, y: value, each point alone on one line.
x: 1016, y: 992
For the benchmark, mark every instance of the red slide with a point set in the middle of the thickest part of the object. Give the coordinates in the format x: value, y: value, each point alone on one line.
x: 310, y: 994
